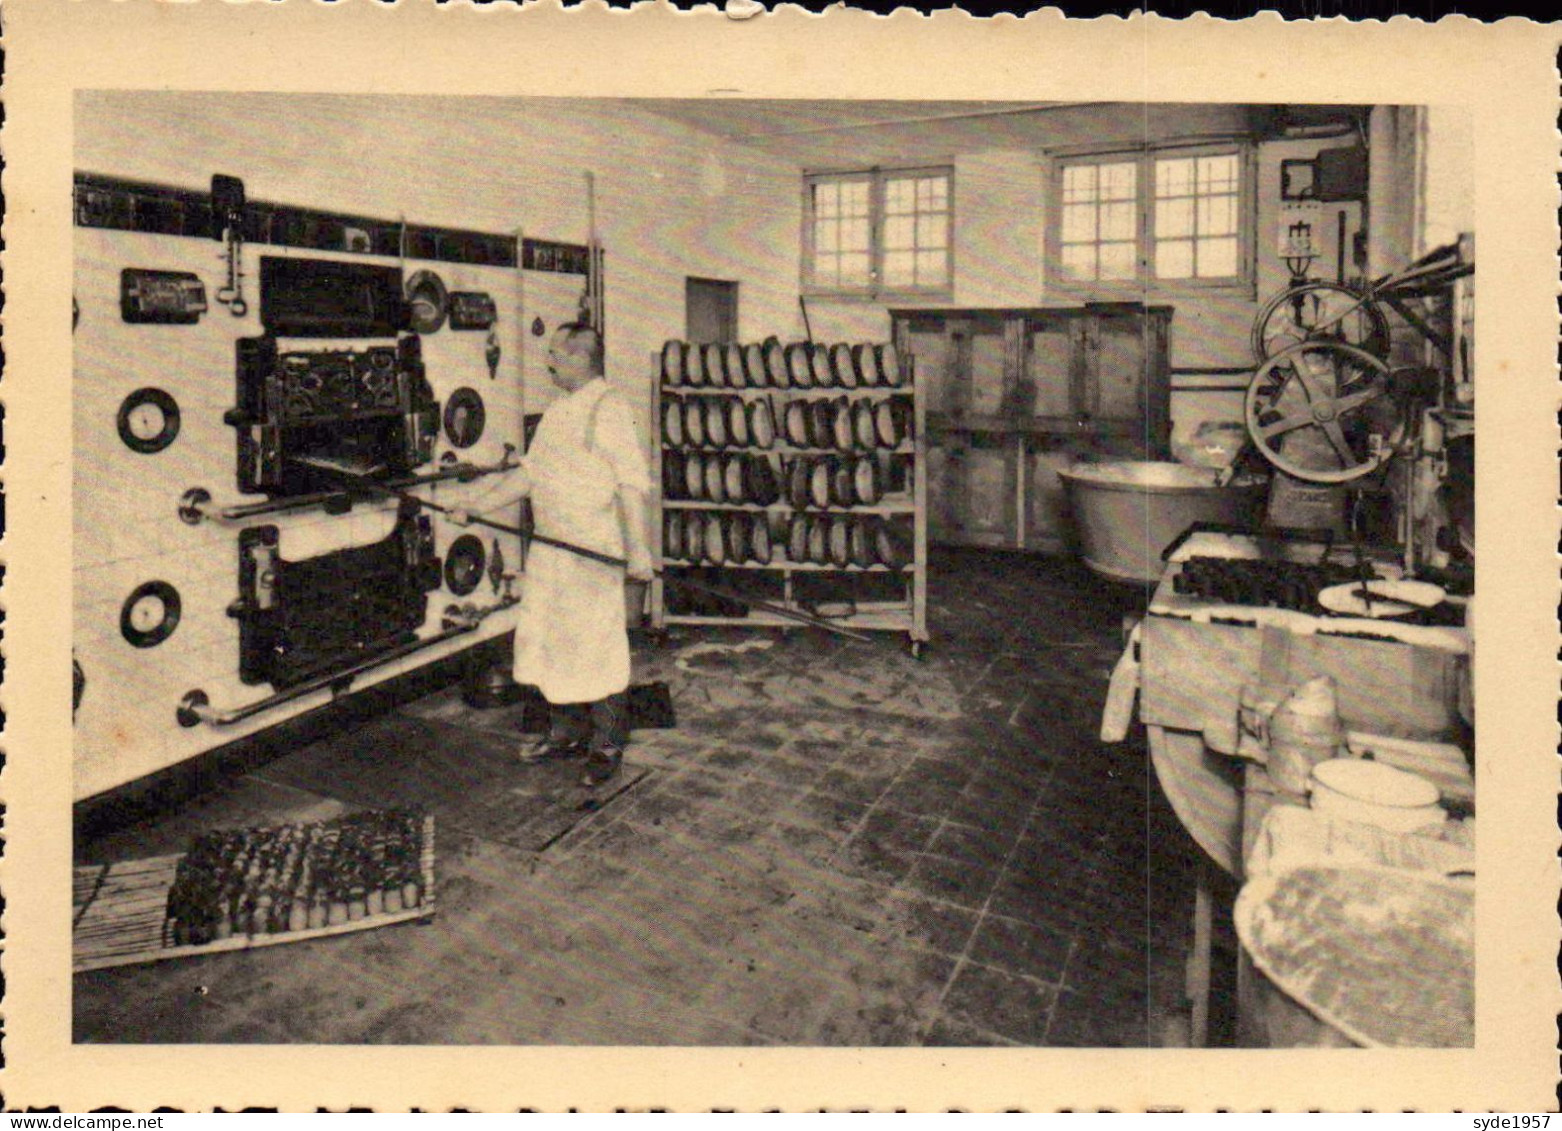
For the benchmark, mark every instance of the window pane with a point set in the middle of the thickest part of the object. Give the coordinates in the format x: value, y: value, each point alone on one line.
x: 899, y: 268
x: 1194, y: 213
x: 1119, y: 221
x: 1174, y: 177
x: 872, y: 229
x: 1218, y: 174
x: 1217, y: 258
x: 1117, y: 260
x: 1173, y: 259
x: 1174, y: 217
x: 1118, y: 181
x: 827, y: 200
x: 932, y: 268
x: 1217, y: 215
x: 854, y: 198
x: 827, y: 236
x: 1079, y: 261
x: 900, y: 195
x: 1079, y: 223
x: 854, y: 269
x: 933, y: 231
x: 900, y: 232
x: 1079, y: 183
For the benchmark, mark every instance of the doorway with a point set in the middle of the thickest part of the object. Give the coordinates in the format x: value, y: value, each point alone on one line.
x: 710, y: 310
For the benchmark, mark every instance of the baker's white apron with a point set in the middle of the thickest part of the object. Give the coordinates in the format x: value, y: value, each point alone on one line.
x: 570, y: 636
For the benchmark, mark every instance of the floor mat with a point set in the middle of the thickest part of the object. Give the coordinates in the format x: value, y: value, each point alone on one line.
x: 542, y: 803
x: 466, y: 778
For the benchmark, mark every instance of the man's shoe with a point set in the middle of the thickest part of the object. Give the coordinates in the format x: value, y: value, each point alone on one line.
x: 551, y: 750
x: 601, y: 765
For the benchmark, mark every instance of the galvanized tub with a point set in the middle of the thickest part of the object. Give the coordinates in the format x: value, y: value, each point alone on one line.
x: 1127, y: 511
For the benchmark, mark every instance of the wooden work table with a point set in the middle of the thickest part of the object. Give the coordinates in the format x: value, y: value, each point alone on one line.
x: 1195, y: 658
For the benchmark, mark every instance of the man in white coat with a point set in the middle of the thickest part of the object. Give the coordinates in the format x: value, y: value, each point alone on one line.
x: 588, y: 479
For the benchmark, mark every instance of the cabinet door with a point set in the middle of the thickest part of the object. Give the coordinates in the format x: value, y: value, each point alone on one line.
x: 980, y: 492
x: 1046, y: 500
x: 977, y: 371
x: 943, y: 516
x: 1052, y: 366
x: 927, y: 340
x: 1118, y: 354
x: 987, y: 368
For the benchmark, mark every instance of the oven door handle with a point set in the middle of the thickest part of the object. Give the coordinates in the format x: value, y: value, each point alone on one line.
x: 196, y: 506
x: 196, y: 708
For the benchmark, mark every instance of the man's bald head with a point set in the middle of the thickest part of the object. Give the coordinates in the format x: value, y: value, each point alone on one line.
x: 578, y: 337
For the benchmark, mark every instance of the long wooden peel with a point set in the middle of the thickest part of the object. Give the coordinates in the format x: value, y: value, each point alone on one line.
x: 764, y: 606
x: 359, y: 479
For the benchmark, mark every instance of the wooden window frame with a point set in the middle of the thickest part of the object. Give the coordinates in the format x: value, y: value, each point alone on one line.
x: 1144, y: 281
x: 874, y: 290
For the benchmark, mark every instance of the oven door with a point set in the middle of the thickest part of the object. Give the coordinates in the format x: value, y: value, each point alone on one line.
x: 303, y: 619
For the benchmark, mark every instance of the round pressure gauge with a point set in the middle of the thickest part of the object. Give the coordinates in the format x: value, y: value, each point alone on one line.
x: 464, y: 417
x: 150, y: 614
x: 464, y: 564
x: 148, y: 421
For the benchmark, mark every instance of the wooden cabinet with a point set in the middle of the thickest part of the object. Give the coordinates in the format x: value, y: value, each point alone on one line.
x: 1014, y: 394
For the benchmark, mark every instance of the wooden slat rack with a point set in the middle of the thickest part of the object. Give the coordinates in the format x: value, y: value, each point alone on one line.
x: 905, y: 612
x: 119, y: 914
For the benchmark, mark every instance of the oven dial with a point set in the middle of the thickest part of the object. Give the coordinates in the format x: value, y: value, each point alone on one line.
x: 148, y: 421
x: 464, y: 564
x: 150, y: 614
x: 465, y: 417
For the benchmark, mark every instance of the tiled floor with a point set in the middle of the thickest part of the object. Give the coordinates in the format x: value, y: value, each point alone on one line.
x: 839, y: 845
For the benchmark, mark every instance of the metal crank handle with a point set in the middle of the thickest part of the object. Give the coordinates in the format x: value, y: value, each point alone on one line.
x: 196, y: 506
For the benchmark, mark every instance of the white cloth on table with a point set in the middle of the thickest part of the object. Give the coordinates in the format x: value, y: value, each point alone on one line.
x: 571, y: 641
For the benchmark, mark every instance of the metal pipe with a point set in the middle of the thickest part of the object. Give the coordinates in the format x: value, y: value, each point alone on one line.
x: 593, y: 279
x: 1339, y: 247
x: 195, y: 708
x: 195, y: 505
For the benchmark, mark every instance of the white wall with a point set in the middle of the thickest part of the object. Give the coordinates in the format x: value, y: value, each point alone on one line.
x: 1448, y: 176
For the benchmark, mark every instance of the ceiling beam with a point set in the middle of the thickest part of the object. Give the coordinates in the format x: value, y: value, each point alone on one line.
x: 1035, y: 108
